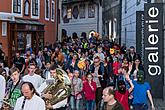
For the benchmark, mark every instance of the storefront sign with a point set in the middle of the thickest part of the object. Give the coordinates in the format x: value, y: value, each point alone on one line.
x: 153, y: 47
x: 6, y: 16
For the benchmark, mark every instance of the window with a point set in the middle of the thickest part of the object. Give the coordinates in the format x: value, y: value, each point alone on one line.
x: 69, y: 12
x: 125, y: 32
x: 114, y: 28
x: 26, y: 8
x: 47, y: 9
x: 125, y: 7
x: 110, y: 29
x: 53, y: 11
x: 17, y: 6
x: 4, y: 28
x: 20, y: 41
x: 91, y: 11
x: 138, y: 2
x: 64, y: 11
x: 35, y: 7
x: 82, y: 11
x: 75, y: 12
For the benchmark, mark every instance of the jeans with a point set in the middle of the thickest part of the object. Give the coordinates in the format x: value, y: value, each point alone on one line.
x: 75, y: 103
x: 140, y: 107
x: 90, y: 105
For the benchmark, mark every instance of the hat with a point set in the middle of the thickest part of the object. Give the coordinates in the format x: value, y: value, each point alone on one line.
x: 132, y: 47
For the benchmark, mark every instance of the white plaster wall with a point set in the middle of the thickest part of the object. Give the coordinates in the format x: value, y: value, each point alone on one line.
x: 128, y: 21
x: 82, y: 25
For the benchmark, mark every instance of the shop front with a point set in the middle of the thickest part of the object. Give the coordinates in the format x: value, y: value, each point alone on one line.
x: 25, y: 34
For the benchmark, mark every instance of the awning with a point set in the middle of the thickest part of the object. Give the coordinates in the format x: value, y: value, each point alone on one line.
x: 25, y: 21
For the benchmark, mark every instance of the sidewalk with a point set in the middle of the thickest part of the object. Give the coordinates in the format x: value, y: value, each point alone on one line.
x: 159, y: 104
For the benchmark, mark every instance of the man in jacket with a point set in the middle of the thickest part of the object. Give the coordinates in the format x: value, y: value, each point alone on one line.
x: 110, y: 103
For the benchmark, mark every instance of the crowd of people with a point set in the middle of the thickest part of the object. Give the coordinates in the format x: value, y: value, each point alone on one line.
x: 79, y: 74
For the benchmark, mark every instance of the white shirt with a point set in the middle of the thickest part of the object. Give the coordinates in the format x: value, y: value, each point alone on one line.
x: 2, y: 89
x: 35, y: 103
x: 60, y: 104
x: 102, y: 56
x: 35, y: 79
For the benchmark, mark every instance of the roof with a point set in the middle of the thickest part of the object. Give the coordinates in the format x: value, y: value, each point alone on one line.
x: 25, y: 21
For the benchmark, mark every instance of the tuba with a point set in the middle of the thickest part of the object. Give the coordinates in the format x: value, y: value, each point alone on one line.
x: 59, y: 90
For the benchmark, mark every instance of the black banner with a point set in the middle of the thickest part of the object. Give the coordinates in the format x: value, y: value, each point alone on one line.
x: 153, y: 47
x: 140, y: 33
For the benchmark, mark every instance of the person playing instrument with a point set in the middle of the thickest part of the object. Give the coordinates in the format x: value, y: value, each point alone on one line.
x: 56, y: 94
x: 30, y: 100
x: 13, y: 90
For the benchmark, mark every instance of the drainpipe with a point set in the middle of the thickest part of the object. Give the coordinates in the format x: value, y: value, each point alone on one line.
x: 164, y: 47
x: 57, y: 25
x: 120, y: 17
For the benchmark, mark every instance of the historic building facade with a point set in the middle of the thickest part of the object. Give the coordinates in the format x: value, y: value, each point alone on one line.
x: 112, y: 19
x: 79, y: 16
x: 27, y: 23
x: 136, y: 31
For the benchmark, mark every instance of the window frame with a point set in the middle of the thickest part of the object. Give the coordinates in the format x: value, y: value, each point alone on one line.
x: 82, y: 11
x: 35, y: 7
x: 17, y: 4
x: 47, y: 5
x: 17, y: 14
x: 69, y: 12
x: 125, y: 6
x: 52, y: 12
x: 26, y: 1
x: 138, y: 2
x: 4, y: 29
x: 90, y: 6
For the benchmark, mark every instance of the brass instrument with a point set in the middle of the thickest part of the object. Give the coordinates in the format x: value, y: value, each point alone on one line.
x: 59, y: 90
x: 6, y: 105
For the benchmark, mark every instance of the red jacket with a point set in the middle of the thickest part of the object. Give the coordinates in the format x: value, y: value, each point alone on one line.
x: 88, y: 92
x: 123, y: 99
x: 116, y: 67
